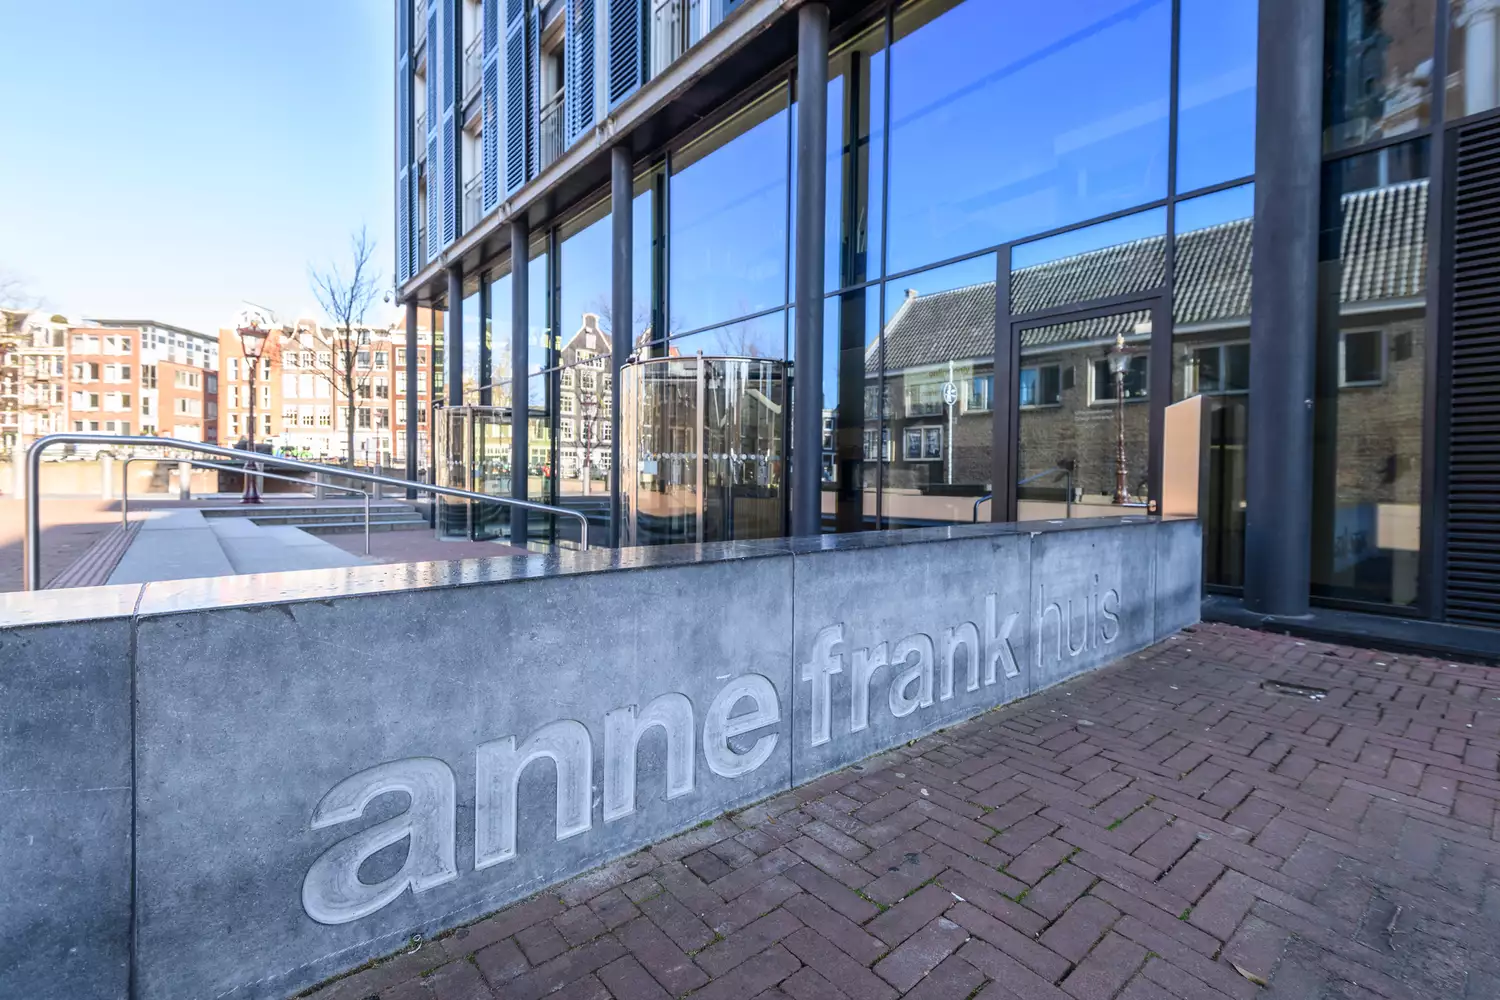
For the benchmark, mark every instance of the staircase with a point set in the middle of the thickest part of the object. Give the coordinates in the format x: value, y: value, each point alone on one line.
x: 328, y: 518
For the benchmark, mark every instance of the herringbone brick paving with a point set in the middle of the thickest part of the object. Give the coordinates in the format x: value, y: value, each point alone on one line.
x: 1228, y: 814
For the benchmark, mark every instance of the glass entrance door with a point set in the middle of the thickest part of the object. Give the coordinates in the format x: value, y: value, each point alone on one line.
x: 1087, y: 420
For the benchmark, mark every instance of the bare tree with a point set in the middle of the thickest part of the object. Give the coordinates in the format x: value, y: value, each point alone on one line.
x: 14, y: 293
x: 345, y: 296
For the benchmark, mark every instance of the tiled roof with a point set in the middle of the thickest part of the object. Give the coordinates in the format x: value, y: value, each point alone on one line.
x: 1384, y: 253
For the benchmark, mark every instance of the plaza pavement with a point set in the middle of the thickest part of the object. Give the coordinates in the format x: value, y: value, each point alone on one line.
x: 1227, y: 814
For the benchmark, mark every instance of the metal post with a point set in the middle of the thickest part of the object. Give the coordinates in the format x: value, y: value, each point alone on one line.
x: 700, y: 442
x: 412, y: 402
x: 520, y: 238
x: 367, y: 522
x: 252, y: 493
x: 1284, y: 307
x: 453, y: 338
x: 812, y: 165
x: 622, y: 312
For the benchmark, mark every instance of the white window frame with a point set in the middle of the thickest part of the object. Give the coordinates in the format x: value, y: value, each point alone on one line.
x: 1380, y: 333
x: 1038, y: 368
x: 1190, y: 369
x: 1094, y: 399
x: 921, y: 430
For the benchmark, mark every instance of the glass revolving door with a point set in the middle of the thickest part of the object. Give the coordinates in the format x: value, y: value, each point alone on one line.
x: 703, y: 454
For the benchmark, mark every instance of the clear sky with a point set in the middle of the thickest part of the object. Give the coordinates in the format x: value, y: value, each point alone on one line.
x: 168, y: 160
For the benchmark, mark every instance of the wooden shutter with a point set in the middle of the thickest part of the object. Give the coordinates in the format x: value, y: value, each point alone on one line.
x: 1473, y: 570
x: 404, y: 264
x: 449, y: 139
x: 516, y: 90
x: 627, y: 48
x: 434, y: 126
x: 490, y: 141
x: 534, y: 98
x: 578, y: 50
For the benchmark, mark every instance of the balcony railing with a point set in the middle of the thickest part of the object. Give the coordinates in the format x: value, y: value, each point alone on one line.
x: 678, y: 25
x: 551, y: 139
x: 473, y: 189
x: 473, y: 66
x: 419, y: 35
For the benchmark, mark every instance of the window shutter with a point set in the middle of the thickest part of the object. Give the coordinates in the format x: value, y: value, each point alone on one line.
x: 534, y: 100
x: 627, y: 48
x: 434, y: 125
x: 450, y: 130
x: 490, y: 140
x: 403, y: 140
x: 578, y: 50
x: 515, y: 95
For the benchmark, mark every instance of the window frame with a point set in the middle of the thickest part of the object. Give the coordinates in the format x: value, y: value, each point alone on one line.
x: 1382, y: 352
x: 1096, y: 400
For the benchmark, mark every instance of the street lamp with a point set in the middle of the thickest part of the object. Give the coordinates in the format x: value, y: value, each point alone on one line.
x: 1119, y: 364
x: 254, y: 329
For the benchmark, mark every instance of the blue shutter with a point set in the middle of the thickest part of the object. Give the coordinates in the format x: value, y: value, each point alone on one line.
x: 578, y: 50
x: 534, y: 100
x: 490, y: 139
x: 515, y: 96
x: 434, y: 126
x: 627, y: 48
x: 450, y: 63
x: 403, y: 139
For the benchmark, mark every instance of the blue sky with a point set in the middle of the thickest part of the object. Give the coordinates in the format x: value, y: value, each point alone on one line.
x: 170, y: 159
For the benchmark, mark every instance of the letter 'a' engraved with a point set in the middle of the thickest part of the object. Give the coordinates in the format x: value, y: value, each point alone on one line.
x: 997, y: 641
x: 499, y: 764
x: 332, y: 892
x: 820, y: 668
x: 623, y: 730
x: 901, y: 703
x: 719, y: 728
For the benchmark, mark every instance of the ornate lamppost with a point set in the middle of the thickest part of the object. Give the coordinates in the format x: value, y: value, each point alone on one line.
x: 1119, y: 364
x: 254, y: 329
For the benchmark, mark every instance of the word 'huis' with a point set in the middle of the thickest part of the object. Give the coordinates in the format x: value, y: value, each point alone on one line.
x: 333, y: 892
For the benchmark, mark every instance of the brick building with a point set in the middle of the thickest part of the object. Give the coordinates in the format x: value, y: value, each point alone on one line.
x: 300, y: 405
x: 141, y: 377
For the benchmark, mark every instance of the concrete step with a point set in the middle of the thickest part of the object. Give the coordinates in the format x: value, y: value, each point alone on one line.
x: 353, y: 527
x: 321, y: 517
x: 283, y: 510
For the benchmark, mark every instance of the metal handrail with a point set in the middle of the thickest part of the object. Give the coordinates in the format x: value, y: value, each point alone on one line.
x: 1031, y: 479
x: 32, y: 560
x: 261, y: 474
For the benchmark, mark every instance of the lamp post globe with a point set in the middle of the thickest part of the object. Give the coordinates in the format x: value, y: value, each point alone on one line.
x: 254, y: 329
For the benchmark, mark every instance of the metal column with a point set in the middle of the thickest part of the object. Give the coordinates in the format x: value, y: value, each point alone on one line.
x: 412, y: 403
x: 453, y: 338
x: 1284, y: 307
x: 812, y: 160
x: 520, y: 237
x: 622, y: 311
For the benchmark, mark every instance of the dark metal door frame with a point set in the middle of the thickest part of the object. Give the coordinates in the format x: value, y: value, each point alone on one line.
x: 1006, y: 452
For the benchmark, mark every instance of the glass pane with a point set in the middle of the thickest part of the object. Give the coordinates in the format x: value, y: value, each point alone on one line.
x: 939, y: 337
x: 584, y: 265
x: 500, y: 327
x: 1368, y: 459
x: 1216, y: 92
x: 1111, y: 258
x: 728, y: 219
x: 541, y: 482
x: 852, y: 425
x: 761, y: 337
x: 856, y: 141
x: 472, y: 326
x: 1473, y: 51
x: 660, y: 452
x: 1016, y: 118
x: 744, y: 405
x: 643, y: 260
x: 539, y: 340
x: 1085, y: 416
x: 584, y: 430
x: 1379, y: 77
x: 1211, y: 352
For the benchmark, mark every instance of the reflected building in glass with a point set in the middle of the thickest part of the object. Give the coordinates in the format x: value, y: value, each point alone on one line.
x: 1029, y: 239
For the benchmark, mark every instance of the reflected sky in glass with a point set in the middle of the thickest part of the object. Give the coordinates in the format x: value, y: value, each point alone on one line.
x: 1216, y: 92
x: 583, y: 260
x: 1009, y: 119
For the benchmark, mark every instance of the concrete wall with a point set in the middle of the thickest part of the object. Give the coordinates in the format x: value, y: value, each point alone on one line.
x: 327, y: 763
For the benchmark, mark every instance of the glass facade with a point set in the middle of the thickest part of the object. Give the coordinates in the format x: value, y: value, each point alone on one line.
x: 1379, y: 70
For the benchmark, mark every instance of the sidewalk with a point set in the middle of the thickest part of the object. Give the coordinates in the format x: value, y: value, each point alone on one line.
x: 1226, y: 809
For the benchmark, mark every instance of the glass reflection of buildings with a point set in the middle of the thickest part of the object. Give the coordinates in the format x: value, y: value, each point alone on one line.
x: 1005, y: 206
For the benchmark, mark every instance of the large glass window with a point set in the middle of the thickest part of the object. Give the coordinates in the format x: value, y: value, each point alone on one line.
x: 938, y: 339
x: 473, y: 378
x: 500, y: 354
x: 1368, y: 458
x: 643, y: 258
x: 1017, y: 118
x: 1473, y: 57
x: 728, y: 242
x: 1379, y: 78
x: 585, y: 383
x: 1216, y: 92
x: 852, y: 418
x: 1111, y: 258
x: 856, y: 143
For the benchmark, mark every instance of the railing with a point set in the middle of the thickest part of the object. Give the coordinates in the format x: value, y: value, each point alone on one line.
x: 420, y: 24
x: 473, y: 195
x: 198, y: 463
x: 32, y: 562
x: 551, y: 129
x: 419, y: 138
x: 473, y: 65
x: 1068, y: 500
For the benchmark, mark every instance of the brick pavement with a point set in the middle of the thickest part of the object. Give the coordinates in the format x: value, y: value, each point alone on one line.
x: 1321, y: 817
